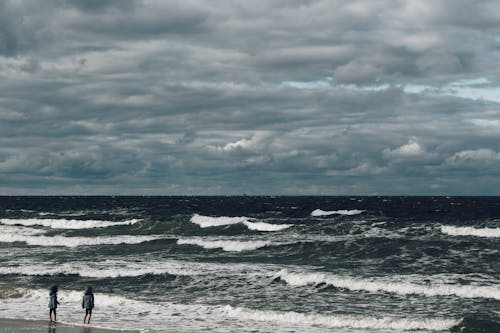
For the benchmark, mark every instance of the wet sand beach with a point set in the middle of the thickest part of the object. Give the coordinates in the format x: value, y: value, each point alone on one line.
x: 35, y: 326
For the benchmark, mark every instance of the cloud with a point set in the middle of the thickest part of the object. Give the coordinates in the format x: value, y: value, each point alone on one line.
x: 78, y: 163
x: 240, y: 144
x: 19, y: 31
x: 412, y: 149
x: 357, y: 73
x: 279, y: 97
x: 475, y: 159
x: 487, y: 123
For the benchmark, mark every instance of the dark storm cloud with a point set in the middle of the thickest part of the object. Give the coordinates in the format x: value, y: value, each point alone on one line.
x: 18, y: 31
x: 286, y: 97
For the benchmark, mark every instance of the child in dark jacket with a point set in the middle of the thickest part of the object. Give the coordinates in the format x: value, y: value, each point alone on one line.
x: 53, y: 303
x: 88, y: 304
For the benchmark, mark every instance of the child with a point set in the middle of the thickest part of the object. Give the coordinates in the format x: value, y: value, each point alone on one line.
x: 88, y: 304
x: 53, y: 303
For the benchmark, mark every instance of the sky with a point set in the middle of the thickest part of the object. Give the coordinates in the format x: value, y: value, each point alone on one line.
x: 281, y: 97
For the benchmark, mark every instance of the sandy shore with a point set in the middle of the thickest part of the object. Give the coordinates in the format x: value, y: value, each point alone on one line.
x: 35, y: 326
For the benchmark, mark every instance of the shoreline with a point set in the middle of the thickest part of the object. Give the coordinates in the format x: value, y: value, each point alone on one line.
x: 8, y: 325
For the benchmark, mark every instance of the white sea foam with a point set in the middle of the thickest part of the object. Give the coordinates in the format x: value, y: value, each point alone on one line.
x: 6, y: 230
x: 133, y: 267
x: 111, y: 311
x: 58, y: 240
x: 262, y: 226
x: 210, y: 221
x: 470, y: 231
x: 226, y: 245
x: 107, y: 269
x: 118, y: 312
x: 398, y: 286
x: 319, y: 212
x: 343, y: 321
x: 66, y: 224
x: 14, y: 233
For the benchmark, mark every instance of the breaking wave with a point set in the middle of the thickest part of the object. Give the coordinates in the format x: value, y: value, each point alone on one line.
x: 133, y: 267
x: 116, y: 309
x: 262, y: 226
x: 66, y: 224
x: 319, y: 212
x: 74, y: 241
x: 470, y: 231
x: 108, y: 269
x: 209, y: 221
x: 401, y: 288
x: 86, y: 271
x: 6, y: 230
x: 339, y: 321
x: 226, y: 245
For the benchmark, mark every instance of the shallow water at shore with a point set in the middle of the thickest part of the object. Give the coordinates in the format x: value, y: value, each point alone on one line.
x: 35, y: 326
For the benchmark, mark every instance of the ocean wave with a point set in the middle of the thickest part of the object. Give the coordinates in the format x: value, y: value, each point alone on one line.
x: 226, y: 245
x: 86, y: 212
x: 112, y: 310
x: 6, y: 230
x: 389, y: 286
x: 117, y: 312
x: 262, y: 226
x: 342, y: 321
x: 66, y: 224
x: 470, y: 231
x: 210, y: 221
x: 133, y: 267
x: 106, y: 270
x: 116, y: 309
x: 319, y: 212
x: 75, y: 241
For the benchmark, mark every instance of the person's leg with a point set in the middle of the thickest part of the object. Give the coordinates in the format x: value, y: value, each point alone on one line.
x: 90, y: 315
x: 52, y: 311
x: 55, y: 315
x: 85, y: 318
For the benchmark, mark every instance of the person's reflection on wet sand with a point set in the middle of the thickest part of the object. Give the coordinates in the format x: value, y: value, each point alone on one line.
x: 52, y: 329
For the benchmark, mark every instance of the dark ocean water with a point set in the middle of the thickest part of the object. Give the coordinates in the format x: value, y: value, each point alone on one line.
x: 256, y: 264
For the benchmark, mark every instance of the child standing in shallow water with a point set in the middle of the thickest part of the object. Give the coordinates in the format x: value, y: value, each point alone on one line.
x: 88, y: 304
x: 53, y: 303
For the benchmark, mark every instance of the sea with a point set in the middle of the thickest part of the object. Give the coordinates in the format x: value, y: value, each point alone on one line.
x: 255, y: 263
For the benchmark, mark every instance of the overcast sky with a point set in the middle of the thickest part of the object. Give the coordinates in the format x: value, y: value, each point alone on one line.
x: 258, y: 97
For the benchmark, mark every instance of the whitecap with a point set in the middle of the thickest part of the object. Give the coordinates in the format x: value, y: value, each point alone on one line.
x: 106, y: 269
x: 319, y: 212
x: 262, y: 226
x: 133, y: 267
x: 59, y: 240
x: 470, y: 231
x: 342, y: 321
x: 65, y: 223
x: 397, y: 287
x: 210, y: 221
